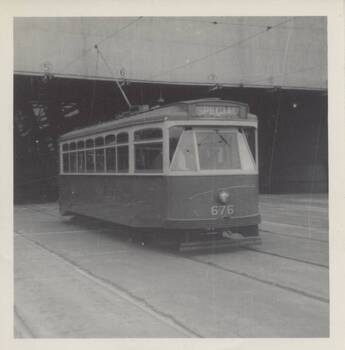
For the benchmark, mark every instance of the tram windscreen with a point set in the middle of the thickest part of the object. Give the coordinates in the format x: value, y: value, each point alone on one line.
x: 217, y: 149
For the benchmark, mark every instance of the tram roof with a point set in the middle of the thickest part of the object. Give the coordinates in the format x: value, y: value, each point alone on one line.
x: 174, y: 111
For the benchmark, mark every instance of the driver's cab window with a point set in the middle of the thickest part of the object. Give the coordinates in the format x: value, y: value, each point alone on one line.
x: 184, y: 158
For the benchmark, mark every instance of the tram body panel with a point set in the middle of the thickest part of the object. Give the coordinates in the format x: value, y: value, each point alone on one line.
x: 118, y: 199
x: 159, y: 201
x: 194, y: 201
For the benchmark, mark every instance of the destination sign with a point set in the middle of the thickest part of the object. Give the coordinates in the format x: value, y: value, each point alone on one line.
x: 219, y: 111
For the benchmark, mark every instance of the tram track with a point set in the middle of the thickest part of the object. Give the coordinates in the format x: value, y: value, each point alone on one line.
x: 255, y: 278
x: 258, y: 250
x: 261, y: 230
x: 118, y: 290
x: 261, y: 280
x: 208, y: 263
x: 21, y: 329
x: 294, y: 236
x: 287, y: 257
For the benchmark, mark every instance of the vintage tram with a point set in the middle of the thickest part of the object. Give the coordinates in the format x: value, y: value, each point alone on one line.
x: 187, y: 168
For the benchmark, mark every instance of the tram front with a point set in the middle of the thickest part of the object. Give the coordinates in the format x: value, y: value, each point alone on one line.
x: 213, y: 175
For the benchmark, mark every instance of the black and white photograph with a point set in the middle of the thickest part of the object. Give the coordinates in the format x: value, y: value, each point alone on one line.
x: 171, y: 177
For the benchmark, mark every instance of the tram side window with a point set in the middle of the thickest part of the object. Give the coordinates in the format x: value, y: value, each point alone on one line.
x: 122, y: 153
x: 73, y: 157
x: 90, y: 160
x: 122, y: 159
x: 73, y: 162
x: 110, y: 153
x: 100, y: 160
x: 90, y: 156
x: 99, y: 143
x: 148, y: 155
x: 81, y: 157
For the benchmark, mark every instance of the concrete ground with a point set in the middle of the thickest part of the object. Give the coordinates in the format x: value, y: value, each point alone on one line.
x: 85, y: 279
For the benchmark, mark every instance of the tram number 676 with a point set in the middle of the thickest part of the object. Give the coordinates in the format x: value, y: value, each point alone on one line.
x: 221, y: 210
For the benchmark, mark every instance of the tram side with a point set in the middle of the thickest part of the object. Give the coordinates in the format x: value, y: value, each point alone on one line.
x: 98, y: 178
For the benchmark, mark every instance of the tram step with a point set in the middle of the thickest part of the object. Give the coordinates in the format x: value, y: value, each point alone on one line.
x: 218, y: 243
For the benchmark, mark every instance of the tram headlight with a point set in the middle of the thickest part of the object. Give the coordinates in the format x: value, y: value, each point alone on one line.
x: 224, y: 197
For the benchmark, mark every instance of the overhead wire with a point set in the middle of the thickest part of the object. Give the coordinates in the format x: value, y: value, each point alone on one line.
x: 87, y: 51
x: 99, y: 54
x: 227, y: 47
x: 211, y: 20
x: 150, y: 78
x: 214, y: 21
x: 252, y: 82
